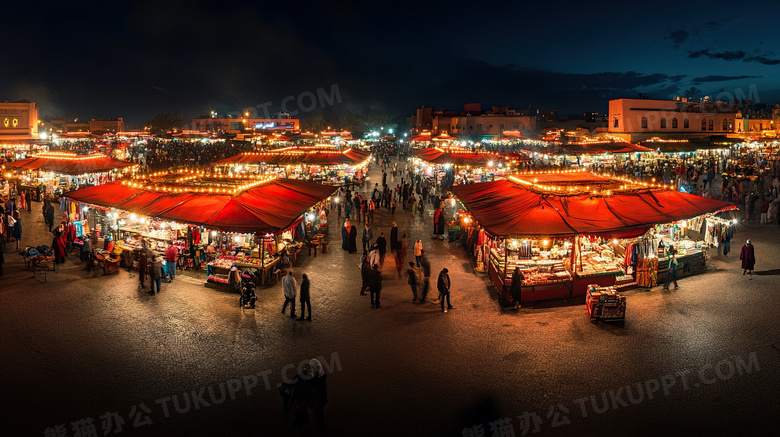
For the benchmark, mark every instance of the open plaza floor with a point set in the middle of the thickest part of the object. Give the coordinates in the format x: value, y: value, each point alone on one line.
x: 82, y: 351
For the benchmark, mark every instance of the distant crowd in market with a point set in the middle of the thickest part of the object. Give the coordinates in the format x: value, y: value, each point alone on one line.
x: 156, y: 155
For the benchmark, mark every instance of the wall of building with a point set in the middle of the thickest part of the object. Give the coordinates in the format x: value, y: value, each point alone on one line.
x: 640, y: 119
x: 18, y: 120
x: 238, y: 125
x: 114, y: 125
x: 494, y: 125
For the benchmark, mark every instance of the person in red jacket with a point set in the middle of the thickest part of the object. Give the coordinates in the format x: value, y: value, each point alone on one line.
x: 170, y: 257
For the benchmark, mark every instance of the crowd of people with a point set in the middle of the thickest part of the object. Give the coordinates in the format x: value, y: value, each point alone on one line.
x: 155, y: 155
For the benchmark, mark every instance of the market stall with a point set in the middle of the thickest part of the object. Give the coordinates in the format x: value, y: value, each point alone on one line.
x: 564, y: 230
x: 220, y: 221
x: 319, y: 163
x: 464, y: 166
x: 57, y: 172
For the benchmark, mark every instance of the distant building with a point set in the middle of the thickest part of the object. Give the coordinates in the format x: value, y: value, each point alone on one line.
x: 640, y: 119
x: 548, y: 115
x: 112, y: 125
x: 243, y: 125
x: 473, y: 122
x: 95, y: 126
x: 421, y: 121
x: 18, y: 121
x: 593, y: 117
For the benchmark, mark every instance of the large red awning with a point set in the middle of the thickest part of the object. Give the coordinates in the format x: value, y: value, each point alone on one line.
x: 435, y: 155
x: 508, y: 208
x: 72, y: 164
x: 272, y: 207
x: 593, y: 148
x: 289, y: 156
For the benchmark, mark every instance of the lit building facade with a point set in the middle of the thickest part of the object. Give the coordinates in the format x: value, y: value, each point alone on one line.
x: 18, y: 121
x: 636, y: 120
x: 473, y: 122
x: 243, y: 125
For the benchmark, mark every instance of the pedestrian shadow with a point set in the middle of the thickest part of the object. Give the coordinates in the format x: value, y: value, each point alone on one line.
x: 767, y: 272
x: 479, y: 414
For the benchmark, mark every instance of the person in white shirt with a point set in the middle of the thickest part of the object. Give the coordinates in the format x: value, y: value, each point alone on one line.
x: 290, y: 287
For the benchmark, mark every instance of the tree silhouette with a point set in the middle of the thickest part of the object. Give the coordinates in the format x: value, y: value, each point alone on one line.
x: 314, y: 123
x: 166, y: 121
x: 692, y: 93
x: 350, y: 123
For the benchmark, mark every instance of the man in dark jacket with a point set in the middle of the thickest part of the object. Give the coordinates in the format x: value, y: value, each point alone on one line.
x: 368, y: 235
x: 425, y: 265
x: 305, y: 300
x: 375, y: 284
x: 443, y: 284
x: 381, y: 244
x: 411, y: 279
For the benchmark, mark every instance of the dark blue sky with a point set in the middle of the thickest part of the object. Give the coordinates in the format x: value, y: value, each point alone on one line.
x: 136, y: 59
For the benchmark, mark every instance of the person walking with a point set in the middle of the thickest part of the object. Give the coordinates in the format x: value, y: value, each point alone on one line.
x: 305, y: 300
x: 764, y: 210
x: 517, y: 284
x: 412, y: 275
x: 365, y: 273
x: 381, y: 245
x: 353, y: 239
x: 418, y: 248
x: 371, y: 209
x: 748, y: 257
x: 2, y: 254
x: 289, y: 286
x: 156, y: 273
x: 392, y: 206
x: 443, y: 284
x: 356, y: 203
x: 345, y: 235
x: 49, y: 214
x: 375, y: 284
x: 170, y: 257
x: 394, y: 243
x: 368, y: 236
x: 17, y: 231
x: 58, y: 246
x: 671, y: 272
x: 425, y: 265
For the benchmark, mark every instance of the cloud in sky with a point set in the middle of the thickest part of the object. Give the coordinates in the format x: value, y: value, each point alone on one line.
x: 734, y: 55
x: 678, y: 36
x: 719, y: 78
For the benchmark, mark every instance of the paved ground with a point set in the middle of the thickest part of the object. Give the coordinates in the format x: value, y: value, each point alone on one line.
x: 702, y: 359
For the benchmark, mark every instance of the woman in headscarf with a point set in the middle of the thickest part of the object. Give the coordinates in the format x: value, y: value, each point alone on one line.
x: 58, y: 246
x: 345, y: 235
x: 748, y: 257
x: 353, y: 239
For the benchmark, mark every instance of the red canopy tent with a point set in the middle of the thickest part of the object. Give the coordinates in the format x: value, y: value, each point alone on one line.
x: 593, y: 148
x: 295, y: 156
x: 271, y: 207
x: 423, y: 137
x: 70, y: 163
x: 465, y: 157
x: 507, y: 207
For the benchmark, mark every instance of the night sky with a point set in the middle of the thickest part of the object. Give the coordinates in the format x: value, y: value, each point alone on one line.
x: 135, y: 59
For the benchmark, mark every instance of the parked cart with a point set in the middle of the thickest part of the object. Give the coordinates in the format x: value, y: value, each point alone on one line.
x: 605, y: 303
